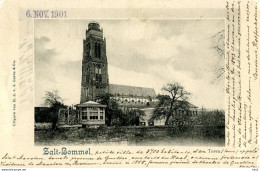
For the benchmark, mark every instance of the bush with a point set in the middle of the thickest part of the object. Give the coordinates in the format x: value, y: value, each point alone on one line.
x: 43, y: 115
x: 212, y: 123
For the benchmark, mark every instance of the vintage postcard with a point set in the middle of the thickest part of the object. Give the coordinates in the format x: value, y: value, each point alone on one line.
x: 164, y: 84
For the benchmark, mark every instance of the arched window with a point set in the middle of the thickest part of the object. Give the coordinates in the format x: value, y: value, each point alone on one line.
x: 87, y: 79
x: 99, y: 51
x: 96, y: 69
x: 88, y: 49
x: 96, y: 50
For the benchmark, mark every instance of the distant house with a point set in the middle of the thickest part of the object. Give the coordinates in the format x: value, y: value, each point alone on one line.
x: 190, y: 110
x: 145, y: 120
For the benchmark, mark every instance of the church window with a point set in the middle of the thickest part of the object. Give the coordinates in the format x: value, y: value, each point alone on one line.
x: 87, y: 79
x: 99, y: 51
x: 88, y: 49
x: 96, y: 50
x: 87, y: 92
x: 96, y: 70
x: 99, y: 70
x: 93, y: 68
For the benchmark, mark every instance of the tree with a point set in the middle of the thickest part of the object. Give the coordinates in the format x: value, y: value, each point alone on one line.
x: 52, y: 98
x: 218, y: 45
x: 112, y: 110
x: 212, y: 123
x: 168, y: 105
x: 132, y: 117
x: 55, y: 102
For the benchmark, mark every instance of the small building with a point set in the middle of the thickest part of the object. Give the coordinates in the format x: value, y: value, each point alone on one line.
x: 91, y: 113
x: 181, y: 113
x: 145, y: 120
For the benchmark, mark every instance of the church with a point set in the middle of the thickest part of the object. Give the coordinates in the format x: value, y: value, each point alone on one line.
x: 95, y: 78
x: 95, y: 81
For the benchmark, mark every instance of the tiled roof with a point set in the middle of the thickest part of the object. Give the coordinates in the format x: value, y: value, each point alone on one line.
x: 131, y: 90
x: 188, y: 104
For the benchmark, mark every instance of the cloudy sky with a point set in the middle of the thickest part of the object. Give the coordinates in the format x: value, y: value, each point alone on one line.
x: 146, y: 53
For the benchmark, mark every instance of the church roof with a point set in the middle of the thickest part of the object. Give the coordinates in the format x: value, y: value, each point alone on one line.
x: 131, y: 90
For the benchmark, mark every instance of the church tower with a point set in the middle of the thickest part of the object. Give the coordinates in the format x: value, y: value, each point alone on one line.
x: 94, y: 79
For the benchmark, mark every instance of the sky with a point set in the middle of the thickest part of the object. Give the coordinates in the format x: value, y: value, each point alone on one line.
x: 141, y: 52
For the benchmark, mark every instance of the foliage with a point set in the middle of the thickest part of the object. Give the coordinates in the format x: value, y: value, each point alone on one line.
x: 131, y: 118
x: 212, y: 123
x: 115, y: 116
x: 131, y: 135
x: 52, y: 99
x: 44, y: 115
x: 55, y: 102
x: 162, y: 108
x: 182, y: 121
x: 218, y: 46
x: 112, y: 110
x: 168, y: 105
x: 211, y: 118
